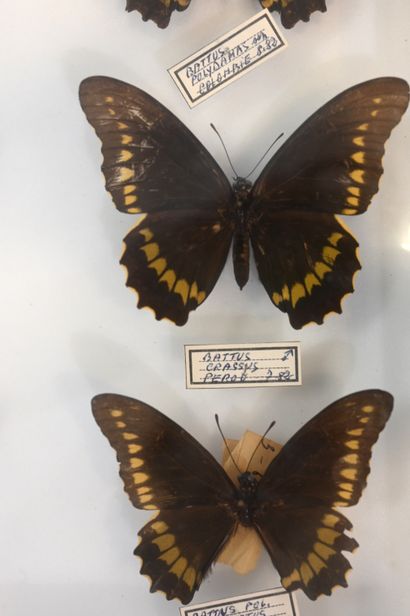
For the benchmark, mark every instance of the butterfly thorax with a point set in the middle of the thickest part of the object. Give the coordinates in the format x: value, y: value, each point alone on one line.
x: 248, y: 484
x: 242, y: 191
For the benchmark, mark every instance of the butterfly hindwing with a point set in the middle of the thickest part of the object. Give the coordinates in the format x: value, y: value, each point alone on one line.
x: 306, y: 263
x: 292, y: 11
x: 178, y: 547
x: 154, y: 165
x: 159, y: 11
x: 331, y: 165
x: 323, y: 466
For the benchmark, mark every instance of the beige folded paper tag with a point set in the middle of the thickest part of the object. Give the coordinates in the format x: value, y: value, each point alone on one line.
x: 244, y: 548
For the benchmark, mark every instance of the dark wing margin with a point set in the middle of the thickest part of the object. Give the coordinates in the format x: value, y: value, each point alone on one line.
x: 159, y: 11
x: 306, y: 261
x: 292, y: 11
x: 323, y: 466
x: 165, y: 468
x: 333, y: 162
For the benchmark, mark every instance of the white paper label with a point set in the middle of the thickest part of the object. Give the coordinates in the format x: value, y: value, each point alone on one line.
x: 228, y: 58
x: 237, y: 365
x: 275, y: 602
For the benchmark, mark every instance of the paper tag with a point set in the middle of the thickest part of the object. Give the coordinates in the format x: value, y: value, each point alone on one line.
x: 275, y: 602
x: 235, y: 365
x: 228, y: 58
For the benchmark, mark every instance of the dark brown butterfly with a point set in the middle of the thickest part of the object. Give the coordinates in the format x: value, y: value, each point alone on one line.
x: 292, y: 11
x: 291, y: 507
x: 305, y: 256
x: 159, y: 11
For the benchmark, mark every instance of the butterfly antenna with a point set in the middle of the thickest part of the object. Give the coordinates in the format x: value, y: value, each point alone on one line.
x: 261, y: 441
x: 264, y: 156
x: 226, y: 444
x: 226, y: 152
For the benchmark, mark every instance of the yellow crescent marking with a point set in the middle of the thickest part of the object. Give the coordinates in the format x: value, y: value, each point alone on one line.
x: 129, y: 436
x: 330, y: 519
x: 109, y: 99
x: 348, y: 487
x: 298, y: 291
x: 277, y: 299
x: 124, y: 156
x: 111, y: 111
x: 364, y: 420
x: 120, y: 424
x: 375, y: 113
x: 159, y: 265
x: 348, y: 212
x: 169, y: 277
x: 201, y: 297
x: 285, y: 293
x: 357, y: 432
x: 129, y: 188
x: 315, y: 562
x: 140, y: 478
x: 194, y: 291
x: 143, y: 490
x: 136, y: 462
x: 121, y: 125
x: 145, y: 498
x: 116, y: 413
x: 129, y: 200
x: 345, y: 495
x: 321, y: 269
x: 327, y: 536
x: 126, y: 139
x: 334, y: 238
x: 134, y: 448
x: 306, y: 573
x: 377, y: 100
x: 358, y: 157
x: 363, y: 127
x: 164, y: 542
x: 357, y: 176
x: 170, y: 556
x: 290, y: 579
x: 134, y: 210
x: 359, y: 141
x: 146, y: 234
x: 369, y: 408
x: 354, y: 201
x: 179, y: 567
x: 182, y: 288
x: 125, y: 174
x: 352, y: 444
x: 190, y: 577
x: 323, y: 550
x: 349, y: 473
x: 151, y: 251
x: 329, y: 254
x: 150, y: 507
x: 354, y: 190
x: 159, y: 527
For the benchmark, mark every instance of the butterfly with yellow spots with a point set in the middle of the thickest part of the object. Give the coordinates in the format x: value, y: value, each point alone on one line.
x: 159, y: 11
x: 292, y: 507
x: 305, y: 256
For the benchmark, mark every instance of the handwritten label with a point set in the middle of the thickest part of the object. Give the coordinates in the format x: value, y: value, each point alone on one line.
x: 275, y: 602
x: 236, y: 365
x: 228, y: 58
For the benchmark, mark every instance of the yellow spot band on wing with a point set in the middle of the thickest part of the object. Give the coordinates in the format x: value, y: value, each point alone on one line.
x: 358, y: 157
x: 298, y: 291
x: 354, y: 190
x: 190, y: 577
x: 159, y: 527
x: 306, y: 573
x: 182, y: 288
x: 169, y: 277
x: 179, y: 567
x: 159, y: 265
x: 125, y: 174
x: 132, y: 448
x: 116, y: 413
x: 290, y: 579
x: 164, y: 542
x: 151, y: 251
x: 136, y: 462
x: 140, y: 478
x: 170, y: 556
x: 321, y: 269
x: 352, y: 444
x: 329, y: 254
x: 146, y: 234
x: 349, y: 473
x: 129, y: 436
x: 358, y: 176
x: 328, y: 536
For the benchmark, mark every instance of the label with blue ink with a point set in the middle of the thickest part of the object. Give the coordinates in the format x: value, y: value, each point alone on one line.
x: 231, y: 56
x: 238, y: 365
x: 275, y: 602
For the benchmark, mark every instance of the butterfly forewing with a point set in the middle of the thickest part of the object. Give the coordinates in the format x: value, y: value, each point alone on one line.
x: 331, y: 165
x: 159, y: 11
x: 323, y: 466
x: 292, y: 11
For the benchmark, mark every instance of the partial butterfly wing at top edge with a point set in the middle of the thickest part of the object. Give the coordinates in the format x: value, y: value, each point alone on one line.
x: 292, y: 11
x: 159, y: 11
x: 331, y: 165
x: 153, y: 164
x: 323, y: 466
x: 165, y: 468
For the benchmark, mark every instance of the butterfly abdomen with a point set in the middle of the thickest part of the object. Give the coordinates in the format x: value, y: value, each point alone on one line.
x: 242, y: 189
